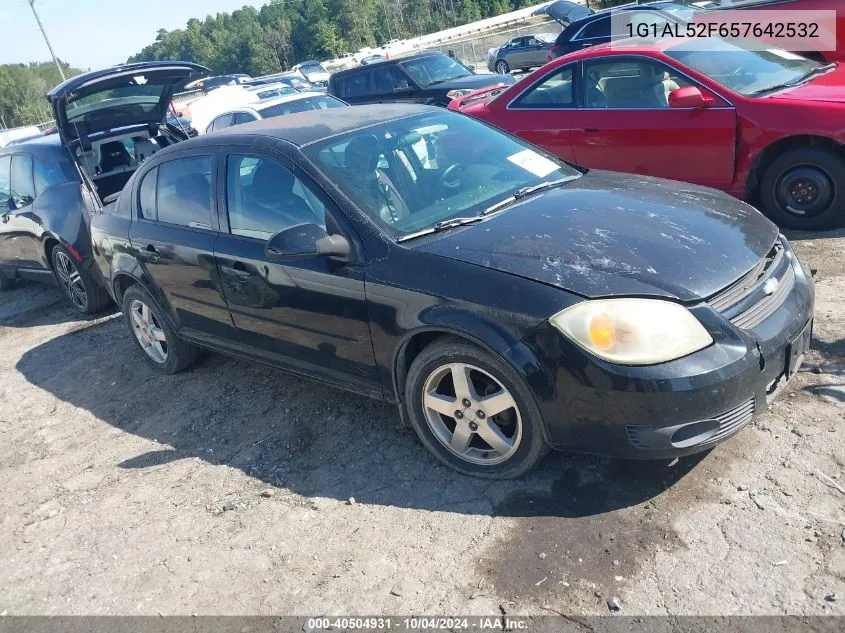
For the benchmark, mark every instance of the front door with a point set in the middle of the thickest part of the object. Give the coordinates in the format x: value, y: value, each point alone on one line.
x: 173, y: 236
x: 307, y: 315
x: 625, y: 124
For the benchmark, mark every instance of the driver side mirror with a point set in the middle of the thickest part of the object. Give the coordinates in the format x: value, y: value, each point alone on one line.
x: 689, y: 97
x: 306, y: 240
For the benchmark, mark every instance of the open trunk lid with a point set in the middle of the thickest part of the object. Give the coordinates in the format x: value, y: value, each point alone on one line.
x: 117, y: 97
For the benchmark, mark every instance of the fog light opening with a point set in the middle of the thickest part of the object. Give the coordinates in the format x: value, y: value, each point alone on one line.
x: 694, y: 433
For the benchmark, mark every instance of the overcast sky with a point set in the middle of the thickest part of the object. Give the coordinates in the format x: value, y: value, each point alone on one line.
x: 96, y: 33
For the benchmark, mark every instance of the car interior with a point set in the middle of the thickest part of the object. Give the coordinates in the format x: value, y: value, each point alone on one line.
x: 629, y: 85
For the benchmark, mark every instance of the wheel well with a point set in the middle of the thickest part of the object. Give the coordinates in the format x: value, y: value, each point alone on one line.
x: 779, y: 147
x: 49, y: 245
x: 121, y: 285
x: 412, y: 348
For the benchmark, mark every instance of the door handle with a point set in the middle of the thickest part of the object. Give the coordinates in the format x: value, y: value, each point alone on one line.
x: 151, y: 253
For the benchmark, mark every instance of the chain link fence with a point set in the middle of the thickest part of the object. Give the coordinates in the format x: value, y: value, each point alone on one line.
x: 473, y: 51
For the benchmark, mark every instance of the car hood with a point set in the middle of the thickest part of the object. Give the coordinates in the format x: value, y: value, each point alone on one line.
x: 608, y: 234
x: 829, y: 87
x: 474, y: 81
x: 76, y: 119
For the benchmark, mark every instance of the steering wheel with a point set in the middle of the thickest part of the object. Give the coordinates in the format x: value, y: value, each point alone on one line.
x: 450, y: 179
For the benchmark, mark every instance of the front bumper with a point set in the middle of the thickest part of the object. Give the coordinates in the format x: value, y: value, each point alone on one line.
x: 675, y: 408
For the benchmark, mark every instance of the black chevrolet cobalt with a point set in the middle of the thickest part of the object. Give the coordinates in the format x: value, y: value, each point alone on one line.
x: 506, y: 301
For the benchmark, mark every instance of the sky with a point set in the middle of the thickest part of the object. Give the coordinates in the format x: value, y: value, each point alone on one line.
x: 96, y: 33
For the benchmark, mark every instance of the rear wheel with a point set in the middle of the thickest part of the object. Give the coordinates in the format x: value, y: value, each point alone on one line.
x: 805, y: 189
x: 502, y: 67
x: 162, y: 348
x: 473, y: 411
x: 80, y: 288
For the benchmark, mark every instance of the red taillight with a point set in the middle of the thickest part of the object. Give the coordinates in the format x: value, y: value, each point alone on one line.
x: 73, y: 252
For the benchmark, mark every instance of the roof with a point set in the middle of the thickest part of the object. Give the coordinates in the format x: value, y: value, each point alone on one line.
x: 302, y: 128
x: 407, y: 58
x: 47, y: 148
x: 263, y: 103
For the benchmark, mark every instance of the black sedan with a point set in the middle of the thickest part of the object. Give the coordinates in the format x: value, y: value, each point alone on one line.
x: 506, y: 301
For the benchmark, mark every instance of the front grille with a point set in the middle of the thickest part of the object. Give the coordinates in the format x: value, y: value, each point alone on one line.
x: 746, y: 302
x: 657, y: 438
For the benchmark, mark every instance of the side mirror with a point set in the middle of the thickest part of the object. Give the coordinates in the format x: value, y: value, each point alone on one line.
x: 689, y: 97
x: 306, y: 240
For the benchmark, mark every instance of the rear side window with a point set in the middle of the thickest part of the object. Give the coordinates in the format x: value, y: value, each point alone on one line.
x: 5, y: 180
x: 220, y: 122
x: 23, y: 186
x: 51, y: 174
x: 356, y: 84
x: 147, y: 195
x: 243, y: 117
x: 183, y: 192
x: 597, y: 28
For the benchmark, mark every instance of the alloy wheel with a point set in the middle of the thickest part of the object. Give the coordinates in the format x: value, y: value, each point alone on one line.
x: 502, y: 67
x: 148, y: 331
x: 472, y: 414
x: 70, y: 280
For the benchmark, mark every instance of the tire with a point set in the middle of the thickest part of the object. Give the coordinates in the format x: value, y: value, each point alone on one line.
x: 6, y: 282
x: 81, y: 289
x: 502, y: 67
x: 805, y: 189
x: 159, y: 344
x: 517, y: 434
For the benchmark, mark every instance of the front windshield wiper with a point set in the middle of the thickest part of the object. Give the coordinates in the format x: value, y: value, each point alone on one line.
x: 444, y: 225
x: 523, y: 192
x: 818, y: 70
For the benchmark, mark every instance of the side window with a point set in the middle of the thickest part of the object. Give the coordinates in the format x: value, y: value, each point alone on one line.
x: 5, y: 181
x: 263, y: 198
x: 23, y: 186
x: 183, y: 194
x: 597, y: 28
x: 220, y: 122
x: 387, y: 78
x: 49, y: 174
x: 553, y: 91
x: 629, y: 84
x: 243, y: 117
x: 147, y: 195
x: 357, y: 84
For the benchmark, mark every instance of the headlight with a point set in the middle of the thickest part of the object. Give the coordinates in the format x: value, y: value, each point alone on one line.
x: 454, y: 94
x: 633, y: 331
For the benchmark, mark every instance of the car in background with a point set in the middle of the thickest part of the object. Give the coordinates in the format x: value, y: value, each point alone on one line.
x: 313, y: 72
x: 430, y: 78
x: 212, y: 83
x: 762, y: 125
x: 268, y: 90
x: 294, y: 80
x: 520, y: 53
x: 372, y: 59
x: 504, y: 300
x: 44, y: 213
x: 596, y: 28
x: 8, y: 136
x: 276, y: 106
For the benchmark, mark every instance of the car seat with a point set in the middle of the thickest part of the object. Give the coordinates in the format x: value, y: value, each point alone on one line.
x: 113, y: 155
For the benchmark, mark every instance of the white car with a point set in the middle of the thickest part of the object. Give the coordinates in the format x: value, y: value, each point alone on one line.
x: 276, y: 106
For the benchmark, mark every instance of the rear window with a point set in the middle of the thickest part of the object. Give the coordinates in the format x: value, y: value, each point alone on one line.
x: 143, y: 97
x: 301, y: 105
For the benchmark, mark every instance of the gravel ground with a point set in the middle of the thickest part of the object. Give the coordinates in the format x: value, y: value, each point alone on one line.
x: 226, y: 490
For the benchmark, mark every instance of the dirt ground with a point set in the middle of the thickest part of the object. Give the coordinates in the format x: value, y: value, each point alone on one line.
x: 225, y: 490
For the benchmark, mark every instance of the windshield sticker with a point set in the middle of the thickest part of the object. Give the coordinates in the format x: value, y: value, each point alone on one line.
x: 533, y: 162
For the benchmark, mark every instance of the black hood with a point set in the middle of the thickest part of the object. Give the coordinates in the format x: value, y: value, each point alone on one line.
x: 474, y: 81
x: 608, y: 234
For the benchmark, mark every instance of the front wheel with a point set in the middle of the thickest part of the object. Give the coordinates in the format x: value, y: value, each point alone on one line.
x: 502, y: 67
x: 473, y: 411
x: 805, y: 189
x: 162, y: 348
x: 80, y: 288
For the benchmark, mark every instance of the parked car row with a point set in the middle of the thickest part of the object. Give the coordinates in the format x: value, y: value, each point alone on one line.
x: 504, y: 299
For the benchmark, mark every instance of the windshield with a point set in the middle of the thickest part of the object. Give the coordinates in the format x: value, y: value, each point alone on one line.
x: 435, y: 69
x: 301, y: 105
x: 742, y: 65
x: 411, y: 173
x: 684, y: 12
x: 143, y: 97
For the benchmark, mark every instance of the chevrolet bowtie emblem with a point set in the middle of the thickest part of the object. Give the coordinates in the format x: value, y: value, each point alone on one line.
x: 770, y: 286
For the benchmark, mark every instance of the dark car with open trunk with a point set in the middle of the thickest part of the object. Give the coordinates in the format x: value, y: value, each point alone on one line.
x: 506, y: 301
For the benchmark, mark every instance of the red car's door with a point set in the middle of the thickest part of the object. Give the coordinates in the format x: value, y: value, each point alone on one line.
x: 542, y: 113
x: 625, y: 124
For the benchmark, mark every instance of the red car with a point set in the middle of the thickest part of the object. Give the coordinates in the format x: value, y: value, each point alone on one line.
x: 763, y: 125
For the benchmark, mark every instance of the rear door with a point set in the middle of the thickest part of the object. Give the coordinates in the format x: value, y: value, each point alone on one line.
x: 173, y: 236
x: 309, y: 314
x: 542, y: 114
x: 23, y: 241
x: 6, y: 258
x: 625, y: 124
